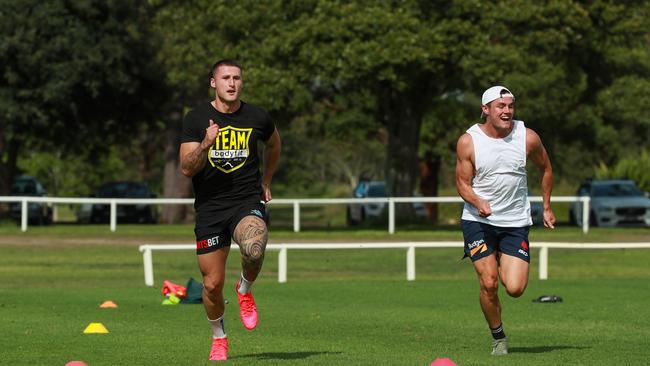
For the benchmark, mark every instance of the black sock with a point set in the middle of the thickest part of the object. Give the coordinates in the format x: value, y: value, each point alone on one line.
x: 497, y: 333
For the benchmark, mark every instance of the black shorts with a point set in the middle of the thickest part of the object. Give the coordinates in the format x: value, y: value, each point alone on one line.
x: 218, y: 233
x: 482, y: 240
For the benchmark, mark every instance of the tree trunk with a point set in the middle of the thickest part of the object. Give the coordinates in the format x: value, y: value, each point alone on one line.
x: 429, y: 167
x: 175, y: 184
x: 402, y: 157
x: 5, y: 177
x: 8, y: 167
x: 403, y: 115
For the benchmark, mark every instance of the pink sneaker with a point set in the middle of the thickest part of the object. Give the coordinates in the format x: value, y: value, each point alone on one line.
x: 219, y: 351
x: 247, y: 309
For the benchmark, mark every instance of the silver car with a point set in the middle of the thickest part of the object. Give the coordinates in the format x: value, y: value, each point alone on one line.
x: 613, y: 203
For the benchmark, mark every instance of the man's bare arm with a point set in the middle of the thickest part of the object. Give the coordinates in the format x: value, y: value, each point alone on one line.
x: 465, y: 173
x: 271, y: 159
x: 192, y: 154
x: 192, y: 158
x: 537, y: 153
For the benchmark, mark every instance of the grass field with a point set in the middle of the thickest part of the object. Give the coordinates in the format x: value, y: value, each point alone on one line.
x: 351, y: 307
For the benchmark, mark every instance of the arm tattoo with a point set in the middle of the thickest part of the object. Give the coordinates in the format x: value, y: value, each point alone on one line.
x: 194, y: 161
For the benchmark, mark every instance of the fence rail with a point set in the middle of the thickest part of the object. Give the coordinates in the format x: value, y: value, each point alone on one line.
x: 147, y: 252
x: 295, y: 202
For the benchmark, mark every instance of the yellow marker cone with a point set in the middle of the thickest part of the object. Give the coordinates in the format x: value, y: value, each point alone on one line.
x: 95, y: 328
x: 108, y: 304
x: 171, y: 299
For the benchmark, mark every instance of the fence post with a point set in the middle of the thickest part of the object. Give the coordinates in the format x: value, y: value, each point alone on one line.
x: 543, y: 263
x: 391, y: 216
x: 585, y: 214
x: 410, y: 264
x: 24, y: 212
x: 282, y: 265
x: 113, y: 215
x: 148, y: 266
x: 296, y: 217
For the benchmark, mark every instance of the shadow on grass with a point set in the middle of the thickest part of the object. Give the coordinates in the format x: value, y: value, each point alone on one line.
x: 285, y: 355
x: 542, y: 349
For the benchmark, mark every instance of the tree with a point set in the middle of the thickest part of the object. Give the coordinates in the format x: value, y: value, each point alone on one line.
x: 183, y: 32
x: 73, y: 76
x: 303, y: 111
x: 387, y: 52
x: 579, y: 71
x: 635, y: 167
x: 409, y: 74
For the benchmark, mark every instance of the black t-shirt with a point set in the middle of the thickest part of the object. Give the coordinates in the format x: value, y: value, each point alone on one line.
x: 232, y: 170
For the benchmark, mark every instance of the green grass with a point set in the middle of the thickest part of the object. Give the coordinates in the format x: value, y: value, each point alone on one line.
x: 347, y: 307
x: 183, y: 233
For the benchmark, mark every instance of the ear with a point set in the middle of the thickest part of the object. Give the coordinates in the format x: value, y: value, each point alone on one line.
x: 485, y: 109
x: 213, y: 83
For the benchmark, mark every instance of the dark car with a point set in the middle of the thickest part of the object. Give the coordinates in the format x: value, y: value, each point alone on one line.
x: 358, y: 212
x: 536, y: 212
x: 138, y: 213
x: 38, y: 213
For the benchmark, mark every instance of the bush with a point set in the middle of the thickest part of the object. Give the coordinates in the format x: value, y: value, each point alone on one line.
x: 635, y: 167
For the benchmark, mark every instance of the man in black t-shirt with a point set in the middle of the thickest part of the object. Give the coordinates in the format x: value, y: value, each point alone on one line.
x: 219, y: 152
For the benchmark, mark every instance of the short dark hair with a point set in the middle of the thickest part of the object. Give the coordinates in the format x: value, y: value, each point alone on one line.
x: 224, y: 62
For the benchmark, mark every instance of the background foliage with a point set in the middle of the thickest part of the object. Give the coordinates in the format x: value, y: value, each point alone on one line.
x: 364, y: 88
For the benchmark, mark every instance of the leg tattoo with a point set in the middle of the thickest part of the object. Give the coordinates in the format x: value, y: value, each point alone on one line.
x: 251, y: 234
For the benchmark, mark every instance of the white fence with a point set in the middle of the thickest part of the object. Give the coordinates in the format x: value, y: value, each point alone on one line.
x: 147, y: 252
x: 295, y: 202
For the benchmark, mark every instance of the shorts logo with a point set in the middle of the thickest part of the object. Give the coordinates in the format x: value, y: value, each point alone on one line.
x: 230, y: 149
x: 257, y: 213
x: 478, y: 246
x: 524, y: 248
x: 207, y: 243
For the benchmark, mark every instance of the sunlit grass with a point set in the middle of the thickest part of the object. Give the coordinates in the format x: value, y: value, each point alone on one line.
x: 346, y: 307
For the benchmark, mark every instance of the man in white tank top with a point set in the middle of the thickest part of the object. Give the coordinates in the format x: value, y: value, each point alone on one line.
x: 491, y: 178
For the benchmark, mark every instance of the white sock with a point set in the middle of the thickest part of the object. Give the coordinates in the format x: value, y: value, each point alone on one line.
x: 244, y: 284
x: 218, y: 330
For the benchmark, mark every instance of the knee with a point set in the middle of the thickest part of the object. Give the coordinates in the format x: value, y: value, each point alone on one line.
x: 490, y: 285
x: 516, y: 291
x: 251, y: 234
x: 253, y: 251
x: 213, y: 286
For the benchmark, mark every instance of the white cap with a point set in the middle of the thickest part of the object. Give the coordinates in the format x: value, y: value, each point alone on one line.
x: 496, y: 92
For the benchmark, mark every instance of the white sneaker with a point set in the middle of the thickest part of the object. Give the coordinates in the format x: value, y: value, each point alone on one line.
x: 500, y: 347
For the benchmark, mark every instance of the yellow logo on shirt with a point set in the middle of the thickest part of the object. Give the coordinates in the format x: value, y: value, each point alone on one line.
x: 230, y: 149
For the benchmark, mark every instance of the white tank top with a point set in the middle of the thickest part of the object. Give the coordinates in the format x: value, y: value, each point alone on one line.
x: 500, y: 177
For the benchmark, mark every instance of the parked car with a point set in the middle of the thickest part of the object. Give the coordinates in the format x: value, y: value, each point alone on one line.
x: 101, y: 213
x: 537, y: 213
x: 613, y: 203
x: 38, y: 213
x: 356, y: 213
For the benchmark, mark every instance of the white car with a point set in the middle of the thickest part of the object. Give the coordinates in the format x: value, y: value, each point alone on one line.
x: 613, y: 203
x: 356, y: 213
